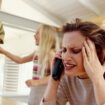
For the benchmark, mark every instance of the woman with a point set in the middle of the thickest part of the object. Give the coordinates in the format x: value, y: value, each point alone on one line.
x: 47, y: 40
x: 83, y: 56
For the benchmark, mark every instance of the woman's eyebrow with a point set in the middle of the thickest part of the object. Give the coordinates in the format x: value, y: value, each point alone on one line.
x: 74, y: 47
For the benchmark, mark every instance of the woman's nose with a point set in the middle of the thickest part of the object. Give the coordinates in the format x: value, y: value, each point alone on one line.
x: 66, y: 56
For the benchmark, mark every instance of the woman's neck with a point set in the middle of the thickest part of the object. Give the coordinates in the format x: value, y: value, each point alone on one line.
x: 85, y: 76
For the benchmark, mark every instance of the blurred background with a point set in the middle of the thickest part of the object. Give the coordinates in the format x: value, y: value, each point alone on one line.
x: 21, y: 19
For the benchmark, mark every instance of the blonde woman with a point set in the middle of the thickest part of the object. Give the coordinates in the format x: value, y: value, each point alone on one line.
x: 48, y: 45
x: 47, y: 39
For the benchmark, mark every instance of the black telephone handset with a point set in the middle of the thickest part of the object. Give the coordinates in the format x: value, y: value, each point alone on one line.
x: 57, y: 69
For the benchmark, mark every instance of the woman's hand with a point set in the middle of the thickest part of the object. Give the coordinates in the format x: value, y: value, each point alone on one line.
x: 52, y: 86
x: 57, y: 55
x: 57, y: 68
x: 31, y: 83
x: 92, y: 64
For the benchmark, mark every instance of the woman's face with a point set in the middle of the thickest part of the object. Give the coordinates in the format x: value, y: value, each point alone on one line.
x: 72, y: 53
x: 37, y: 37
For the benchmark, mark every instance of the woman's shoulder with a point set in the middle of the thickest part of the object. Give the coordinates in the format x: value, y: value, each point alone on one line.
x: 68, y: 81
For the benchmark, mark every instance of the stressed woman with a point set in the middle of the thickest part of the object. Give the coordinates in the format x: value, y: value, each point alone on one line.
x: 83, y: 57
x: 48, y: 43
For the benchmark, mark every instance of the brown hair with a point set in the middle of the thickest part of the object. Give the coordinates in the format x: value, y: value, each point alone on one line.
x: 92, y: 31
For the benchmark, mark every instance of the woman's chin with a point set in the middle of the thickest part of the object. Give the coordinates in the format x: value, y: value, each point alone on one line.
x: 71, y: 73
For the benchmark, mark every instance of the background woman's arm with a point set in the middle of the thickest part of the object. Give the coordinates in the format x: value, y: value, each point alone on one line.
x: 42, y: 81
x: 16, y: 58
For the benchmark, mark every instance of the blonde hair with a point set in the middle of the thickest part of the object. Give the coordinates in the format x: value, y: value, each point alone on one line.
x: 49, y: 43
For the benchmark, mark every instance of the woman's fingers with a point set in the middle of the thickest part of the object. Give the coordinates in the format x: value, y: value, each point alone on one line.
x: 87, y: 50
x: 91, y: 62
x: 28, y: 83
x: 57, y: 55
x: 91, y: 44
x: 90, y: 49
x: 84, y: 54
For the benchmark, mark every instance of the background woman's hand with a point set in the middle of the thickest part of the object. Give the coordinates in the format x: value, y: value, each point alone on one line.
x: 31, y: 83
x: 92, y: 64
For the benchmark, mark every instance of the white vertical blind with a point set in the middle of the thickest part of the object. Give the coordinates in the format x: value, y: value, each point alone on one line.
x: 11, y: 75
x: 1, y: 71
x: 25, y: 73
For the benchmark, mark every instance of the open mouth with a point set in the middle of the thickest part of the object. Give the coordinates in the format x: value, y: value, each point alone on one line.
x: 69, y: 66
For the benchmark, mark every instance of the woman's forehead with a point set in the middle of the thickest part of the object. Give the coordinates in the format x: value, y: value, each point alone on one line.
x: 74, y: 34
x: 73, y: 39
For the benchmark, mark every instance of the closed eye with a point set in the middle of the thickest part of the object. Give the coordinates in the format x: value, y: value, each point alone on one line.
x: 76, y: 51
x: 72, y: 50
x: 64, y: 50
